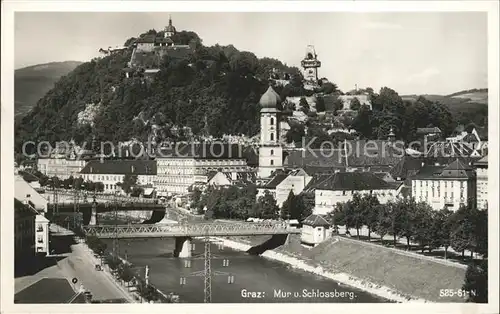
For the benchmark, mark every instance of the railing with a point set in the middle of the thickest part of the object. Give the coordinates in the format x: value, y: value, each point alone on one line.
x: 90, y: 196
x: 188, y: 230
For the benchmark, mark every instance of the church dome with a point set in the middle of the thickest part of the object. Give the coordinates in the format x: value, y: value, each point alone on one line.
x: 270, y: 99
x: 170, y: 28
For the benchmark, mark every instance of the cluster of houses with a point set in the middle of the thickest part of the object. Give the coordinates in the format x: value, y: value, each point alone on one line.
x: 448, y: 174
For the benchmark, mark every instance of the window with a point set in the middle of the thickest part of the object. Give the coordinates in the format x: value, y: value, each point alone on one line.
x: 272, y: 136
x: 272, y: 121
x: 39, y: 228
x: 39, y: 239
x: 272, y: 162
x: 272, y: 152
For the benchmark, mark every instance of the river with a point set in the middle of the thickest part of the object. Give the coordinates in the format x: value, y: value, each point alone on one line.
x: 256, y: 279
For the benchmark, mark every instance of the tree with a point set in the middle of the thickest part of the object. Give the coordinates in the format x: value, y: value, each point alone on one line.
x: 384, y: 221
x: 136, y: 191
x: 338, y: 104
x: 355, y: 104
x: 196, y: 198
x: 296, y: 133
x: 481, y: 232
x: 363, y: 122
x: 99, y: 187
x: 369, y: 206
x: 405, y: 219
x: 396, y: 211
x: 337, y: 216
x: 267, y: 208
x: 295, y: 208
x: 441, y: 230
x: 286, y: 208
x: 304, y: 105
x: 320, y: 104
x: 463, y: 228
x: 126, y: 273
x: 129, y: 181
x: 476, y: 282
x: 423, y: 219
x: 329, y: 88
x: 302, y: 209
x: 354, y: 213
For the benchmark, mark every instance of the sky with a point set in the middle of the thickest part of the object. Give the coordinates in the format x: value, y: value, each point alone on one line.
x: 410, y: 52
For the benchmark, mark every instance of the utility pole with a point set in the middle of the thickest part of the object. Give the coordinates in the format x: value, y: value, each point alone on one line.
x: 207, y: 273
x: 55, y: 197
x: 76, y: 205
x: 115, y: 240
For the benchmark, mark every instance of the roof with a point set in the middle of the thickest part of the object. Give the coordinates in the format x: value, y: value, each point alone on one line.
x: 203, y: 151
x: 449, y: 149
x: 315, y: 221
x: 23, y: 191
x: 359, y: 153
x: 22, y: 210
x: 457, y: 169
x: 122, y: 167
x: 428, y: 130
x: 270, y: 99
x: 406, y: 167
x: 483, y: 161
x: 28, y: 177
x: 47, y: 290
x: 277, y: 179
x: 349, y: 181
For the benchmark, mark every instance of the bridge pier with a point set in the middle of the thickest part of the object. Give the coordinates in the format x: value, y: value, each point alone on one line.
x: 93, y: 215
x: 182, y: 247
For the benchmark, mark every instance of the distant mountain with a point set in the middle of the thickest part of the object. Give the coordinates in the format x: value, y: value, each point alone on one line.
x: 472, y: 96
x: 33, y: 82
x: 467, y: 105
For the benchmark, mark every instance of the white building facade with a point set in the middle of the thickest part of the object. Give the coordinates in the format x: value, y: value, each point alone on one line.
x: 445, y: 186
x: 295, y: 182
x: 180, y: 169
x: 340, y: 187
x: 112, y: 172
x: 482, y: 183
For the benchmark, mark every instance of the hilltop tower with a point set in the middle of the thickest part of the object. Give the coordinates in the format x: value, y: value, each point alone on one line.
x: 311, y: 64
x: 170, y: 29
x: 270, y: 150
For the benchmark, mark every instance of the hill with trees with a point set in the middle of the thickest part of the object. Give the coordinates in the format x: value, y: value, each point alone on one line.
x: 219, y: 85
x: 33, y: 82
x: 213, y: 90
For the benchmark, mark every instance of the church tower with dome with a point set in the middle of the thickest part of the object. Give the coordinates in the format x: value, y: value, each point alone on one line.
x: 270, y: 150
x: 170, y: 29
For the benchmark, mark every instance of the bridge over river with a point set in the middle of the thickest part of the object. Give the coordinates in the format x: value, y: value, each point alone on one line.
x: 183, y: 233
